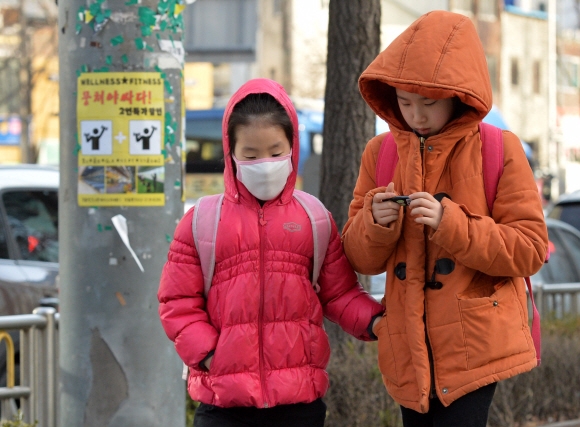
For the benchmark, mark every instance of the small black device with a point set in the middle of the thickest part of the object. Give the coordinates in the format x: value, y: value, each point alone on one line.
x: 401, y: 200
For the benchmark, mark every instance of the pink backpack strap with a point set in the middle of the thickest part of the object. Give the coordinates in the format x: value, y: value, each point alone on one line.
x: 206, y: 216
x: 321, y: 229
x: 492, y: 159
x: 536, y: 333
x: 204, y: 225
x: 386, y: 161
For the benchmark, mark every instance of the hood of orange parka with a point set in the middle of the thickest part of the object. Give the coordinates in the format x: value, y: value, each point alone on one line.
x: 233, y: 187
x: 438, y: 56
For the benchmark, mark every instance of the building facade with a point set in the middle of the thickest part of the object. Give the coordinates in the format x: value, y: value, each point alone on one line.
x: 29, y: 79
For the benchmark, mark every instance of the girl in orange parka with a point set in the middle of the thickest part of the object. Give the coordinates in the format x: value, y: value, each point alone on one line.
x: 443, y: 348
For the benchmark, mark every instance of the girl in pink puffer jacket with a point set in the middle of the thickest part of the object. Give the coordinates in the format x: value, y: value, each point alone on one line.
x: 255, y: 347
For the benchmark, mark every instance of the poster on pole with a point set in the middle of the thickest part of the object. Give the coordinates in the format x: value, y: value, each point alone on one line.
x: 120, y: 135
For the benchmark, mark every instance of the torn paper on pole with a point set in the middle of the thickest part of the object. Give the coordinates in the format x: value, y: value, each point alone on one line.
x: 120, y: 223
x: 174, y: 47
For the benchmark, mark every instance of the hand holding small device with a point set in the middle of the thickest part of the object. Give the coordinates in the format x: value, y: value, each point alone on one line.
x: 384, y: 209
x: 426, y: 209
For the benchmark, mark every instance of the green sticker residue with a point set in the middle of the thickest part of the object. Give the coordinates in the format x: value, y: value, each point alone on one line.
x: 115, y: 41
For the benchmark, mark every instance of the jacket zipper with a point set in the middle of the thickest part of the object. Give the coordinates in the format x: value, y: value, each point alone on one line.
x: 261, y: 314
x: 432, y: 391
x: 422, y: 151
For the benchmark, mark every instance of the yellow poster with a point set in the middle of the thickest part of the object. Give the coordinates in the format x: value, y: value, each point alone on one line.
x: 121, y: 118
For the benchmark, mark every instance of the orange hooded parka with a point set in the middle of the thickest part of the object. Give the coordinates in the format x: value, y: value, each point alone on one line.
x: 471, y: 328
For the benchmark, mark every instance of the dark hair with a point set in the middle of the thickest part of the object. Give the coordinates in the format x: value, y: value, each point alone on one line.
x: 460, y: 108
x: 258, y: 106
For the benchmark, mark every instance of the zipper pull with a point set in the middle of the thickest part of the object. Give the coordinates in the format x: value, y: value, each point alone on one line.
x: 421, y: 143
x: 261, y: 216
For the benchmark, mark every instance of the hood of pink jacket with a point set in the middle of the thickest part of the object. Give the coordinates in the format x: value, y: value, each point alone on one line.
x: 234, y: 189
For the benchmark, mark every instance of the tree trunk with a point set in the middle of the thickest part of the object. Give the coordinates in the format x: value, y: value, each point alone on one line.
x: 353, y: 42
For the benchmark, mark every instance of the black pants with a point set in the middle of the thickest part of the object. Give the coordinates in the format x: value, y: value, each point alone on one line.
x: 296, y: 415
x: 470, y: 410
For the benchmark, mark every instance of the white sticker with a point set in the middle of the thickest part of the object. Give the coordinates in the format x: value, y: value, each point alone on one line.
x: 173, y: 47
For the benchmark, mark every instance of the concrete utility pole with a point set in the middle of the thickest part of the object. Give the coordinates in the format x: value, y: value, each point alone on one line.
x: 120, y: 198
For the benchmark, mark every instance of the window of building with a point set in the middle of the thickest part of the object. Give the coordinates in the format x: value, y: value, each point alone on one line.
x: 536, y: 76
x: 488, y: 7
x: 492, y: 69
x: 234, y: 40
x: 515, y: 72
x: 10, y: 86
x: 464, y: 5
x: 277, y: 7
x: 567, y: 72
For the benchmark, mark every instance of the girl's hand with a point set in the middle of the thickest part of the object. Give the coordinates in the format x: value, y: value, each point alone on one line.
x: 427, y: 209
x: 375, y: 323
x: 207, y: 362
x: 385, y: 212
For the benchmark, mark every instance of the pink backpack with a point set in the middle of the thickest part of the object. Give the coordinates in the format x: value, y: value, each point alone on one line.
x: 206, y: 218
x: 492, y: 158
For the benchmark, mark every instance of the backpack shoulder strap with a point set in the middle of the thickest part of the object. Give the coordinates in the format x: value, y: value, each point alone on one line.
x: 321, y: 229
x: 206, y: 216
x: 492, y: 160
x: 386, y: 161
x: 204, y: 225
x: 536, y: 333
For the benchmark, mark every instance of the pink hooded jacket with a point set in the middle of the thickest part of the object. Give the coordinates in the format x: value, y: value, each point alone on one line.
x: 262, y: 316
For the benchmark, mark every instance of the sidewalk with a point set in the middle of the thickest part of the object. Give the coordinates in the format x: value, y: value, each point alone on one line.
x: 572, y: 423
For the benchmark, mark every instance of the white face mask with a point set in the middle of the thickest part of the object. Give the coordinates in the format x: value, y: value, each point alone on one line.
x: 264, y: 178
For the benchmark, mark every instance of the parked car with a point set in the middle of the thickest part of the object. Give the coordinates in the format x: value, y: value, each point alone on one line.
x: 567, y: 209
x: 558, y: 279
x: 28, y: 242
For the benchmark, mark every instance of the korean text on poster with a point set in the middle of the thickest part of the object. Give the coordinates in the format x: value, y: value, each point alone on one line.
x: 120, y: 133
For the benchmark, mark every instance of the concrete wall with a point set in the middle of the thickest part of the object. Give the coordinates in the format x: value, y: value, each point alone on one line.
x: 270, y: 44
x: 525, y: 40
x: 309, y: 28
x: 397, y: 15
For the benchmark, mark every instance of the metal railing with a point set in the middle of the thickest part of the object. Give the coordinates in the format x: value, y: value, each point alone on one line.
x: 558, y: 300
x: 37, y: 390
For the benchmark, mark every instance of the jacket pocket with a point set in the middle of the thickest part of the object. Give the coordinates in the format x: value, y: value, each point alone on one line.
x: 493, y: 326
x: 387, y: 363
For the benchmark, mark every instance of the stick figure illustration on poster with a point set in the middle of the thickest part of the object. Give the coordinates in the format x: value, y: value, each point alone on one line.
x: 145, y: 137
x: 96, y: 137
